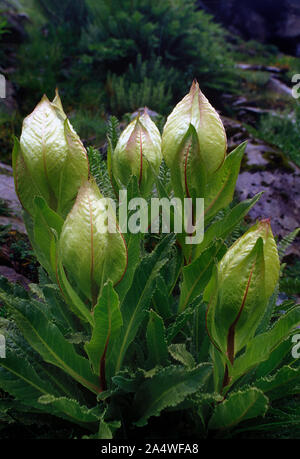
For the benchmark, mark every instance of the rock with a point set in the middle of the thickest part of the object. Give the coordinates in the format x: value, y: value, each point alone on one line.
x: 12, y: 276
x: 9, y: 105
x: 7, y: 190
x: 16, y: 22
x: 15, y: 223
x: 265, y: 168
x: 268, y: 21
x: 8, y: 195
x: 277, y: 86
x: 261, y: 68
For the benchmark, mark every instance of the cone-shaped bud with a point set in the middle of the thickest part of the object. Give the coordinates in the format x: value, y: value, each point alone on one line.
x: 50, y: 160
x: 91, y: 247
x: 193, y: 143
x: 138, y: 153
x: 239, y: 291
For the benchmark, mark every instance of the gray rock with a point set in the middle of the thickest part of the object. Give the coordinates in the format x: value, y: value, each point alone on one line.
x: 14, y: 277
x: 281, y: 199
x: 264, y: 168
x: 8, y: 195
x: 7, y: 190
x: 269, y: 21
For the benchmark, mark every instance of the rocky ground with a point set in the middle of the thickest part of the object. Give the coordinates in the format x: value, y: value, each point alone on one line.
x: 265, y: 168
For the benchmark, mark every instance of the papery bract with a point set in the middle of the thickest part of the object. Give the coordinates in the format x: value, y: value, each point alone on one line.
x: 50, y: 157
x: 238, y: 293
x: 138, y: 153
x: 193, y: 143
x: 90, y: 252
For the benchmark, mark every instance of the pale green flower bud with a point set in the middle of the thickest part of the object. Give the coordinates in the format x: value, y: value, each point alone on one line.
x: 138, y: 153
x: 193, y: 143
x: 50, y: 161
x: 91, y: 247
x: 240, y: 289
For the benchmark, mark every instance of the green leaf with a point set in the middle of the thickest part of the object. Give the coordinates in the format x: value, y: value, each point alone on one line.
x: 220, y: 189
x: 104, y: 432
x: 161, y: 300
x: 108, y: 320
x: 133, y: 252
x: 180, y: 353
x: 198, y: 273
x: 71, y: 297
x: 156, y: 340
x: 275, y: 359
x: 168, y: 388
x: 25, y: 187
x: 39, y: 253
x: 178, y: 324
x: 200, y: 339
x: 285, y: 382
x: 248, y: 404
x: 221, y: 228
x: 267, y: 317
x: 261, y: 346
x: 56, y: 382
x: 20, y: 379
x: 76, y: 412
x: 47, y: 228
x: 138, y: 298
x: 52, y: 219
x: 45, y: 337
x: 219, y: 369
x: 57, y: 308
x: 107, y: 429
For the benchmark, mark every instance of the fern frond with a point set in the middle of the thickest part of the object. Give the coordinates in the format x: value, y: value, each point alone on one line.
x: 290, y: 286
x: 286, y: 242
x: 98, y: 170
x: 113, y: 131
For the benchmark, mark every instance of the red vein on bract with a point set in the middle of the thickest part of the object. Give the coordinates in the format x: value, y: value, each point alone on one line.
x: 126, y: 249
x: 185, y: 168
x: 103, y: 386
x: 231, y: 331
x: 231, y: 334
x: 92, y: 250
x: 141, y: 158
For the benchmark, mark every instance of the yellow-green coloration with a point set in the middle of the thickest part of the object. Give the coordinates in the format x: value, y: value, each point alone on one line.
x: 50, y: 161
x: 90, y: 254
x: 193, y: 143
x: 238, y: 293
x: 138, y: 153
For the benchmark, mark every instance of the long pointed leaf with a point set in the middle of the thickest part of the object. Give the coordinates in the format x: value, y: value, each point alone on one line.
x: 48, y: 341
x: 156, y: 340
x: 168, y: 388
x: 262, y: 345
x: 108, y: 320
x: 239, y: 406
x: 138, y: 298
